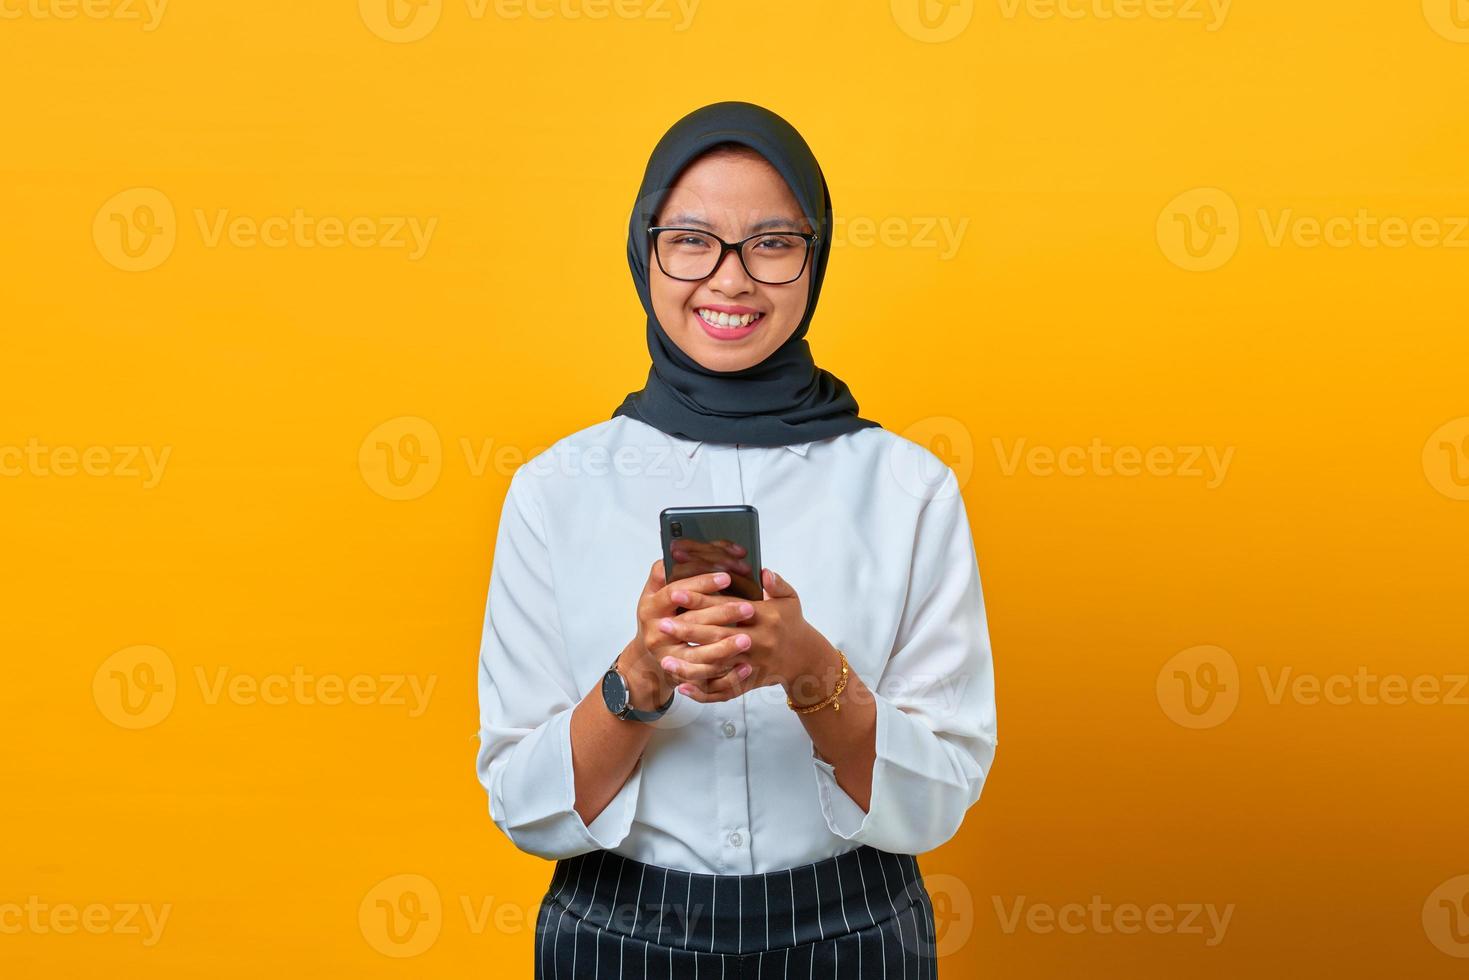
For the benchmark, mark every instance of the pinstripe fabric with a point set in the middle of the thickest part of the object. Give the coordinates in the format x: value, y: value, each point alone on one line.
x: 862, y: 914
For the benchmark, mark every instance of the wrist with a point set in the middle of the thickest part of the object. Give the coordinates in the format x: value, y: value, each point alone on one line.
x: 648, y: 684
x: 814, y: 674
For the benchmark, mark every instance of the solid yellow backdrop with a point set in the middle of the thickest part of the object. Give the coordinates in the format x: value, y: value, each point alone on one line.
x: 291, y: 289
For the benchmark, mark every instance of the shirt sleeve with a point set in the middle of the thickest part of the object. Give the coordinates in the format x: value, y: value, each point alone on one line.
x: 526, y: 696
x: 936, y: 726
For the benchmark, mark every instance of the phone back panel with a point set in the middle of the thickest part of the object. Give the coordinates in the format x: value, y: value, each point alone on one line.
x: 694, y: 542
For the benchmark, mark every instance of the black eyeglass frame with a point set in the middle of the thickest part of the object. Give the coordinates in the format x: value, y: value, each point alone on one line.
x: 737, y: 247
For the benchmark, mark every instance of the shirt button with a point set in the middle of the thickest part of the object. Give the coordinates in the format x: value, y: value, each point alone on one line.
x: 735, y: 839
x: 728, y: 728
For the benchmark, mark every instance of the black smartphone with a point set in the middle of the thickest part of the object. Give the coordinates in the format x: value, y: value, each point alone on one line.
x: 714, y: 539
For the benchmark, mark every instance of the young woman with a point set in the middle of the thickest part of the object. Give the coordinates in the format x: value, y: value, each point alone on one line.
x: 752, y: 793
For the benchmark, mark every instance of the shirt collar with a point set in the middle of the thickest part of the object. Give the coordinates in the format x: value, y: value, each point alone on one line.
x: 689, y: 446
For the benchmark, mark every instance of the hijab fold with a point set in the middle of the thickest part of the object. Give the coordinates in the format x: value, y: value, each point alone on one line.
x: 785, y: 398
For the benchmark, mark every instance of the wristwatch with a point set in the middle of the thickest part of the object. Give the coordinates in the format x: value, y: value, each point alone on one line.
x: 618, y: 697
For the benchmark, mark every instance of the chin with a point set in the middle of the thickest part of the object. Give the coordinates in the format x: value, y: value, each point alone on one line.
x: 719, y: 357
x: 724, y: 355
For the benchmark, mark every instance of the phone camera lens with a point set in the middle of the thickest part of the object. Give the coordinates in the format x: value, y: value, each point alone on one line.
x: 676, y: 529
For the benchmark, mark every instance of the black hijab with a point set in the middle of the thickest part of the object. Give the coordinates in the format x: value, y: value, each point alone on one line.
x: 785, y: 398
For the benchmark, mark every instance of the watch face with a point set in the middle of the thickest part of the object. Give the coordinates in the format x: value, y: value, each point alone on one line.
x: 614, y: 692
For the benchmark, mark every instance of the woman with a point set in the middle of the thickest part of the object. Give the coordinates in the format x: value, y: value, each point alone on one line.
x: 759, y: 804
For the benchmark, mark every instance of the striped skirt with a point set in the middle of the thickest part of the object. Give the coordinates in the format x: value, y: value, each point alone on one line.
x: 863, y: 913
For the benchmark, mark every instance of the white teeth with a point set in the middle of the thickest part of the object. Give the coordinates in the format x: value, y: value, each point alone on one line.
x: 726, y: 319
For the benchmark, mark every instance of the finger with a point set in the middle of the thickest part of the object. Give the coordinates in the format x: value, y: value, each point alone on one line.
x: 657, y: 643
x: 732, y: 611
x: 718, y: 613
x: 683, y: 670
x: 733, y: 547
x: 775, y: 586
x: 655, y: 579
x: 692, y: 632
x: 706, y: 582
x: 695, y: 693
x: 731, y: 684
x: 700, y: 633
x: 718, y: 653
x: 694, y: 593
x: 684, y: 628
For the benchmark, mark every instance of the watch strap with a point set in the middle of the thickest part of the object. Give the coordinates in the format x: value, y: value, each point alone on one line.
x: 638, y: 715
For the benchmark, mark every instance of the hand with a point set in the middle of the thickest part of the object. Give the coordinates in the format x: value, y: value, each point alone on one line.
x: 784, y: 648
x: 659, y: 600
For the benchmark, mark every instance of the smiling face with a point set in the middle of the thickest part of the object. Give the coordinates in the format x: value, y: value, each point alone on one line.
x: 732, y: 193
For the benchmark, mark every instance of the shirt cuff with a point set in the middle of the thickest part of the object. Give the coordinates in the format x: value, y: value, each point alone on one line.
x: 608, y: 828
x: 843, y: 816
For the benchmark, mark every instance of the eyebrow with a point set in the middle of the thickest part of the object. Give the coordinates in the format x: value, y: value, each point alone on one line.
x: 693, y: 220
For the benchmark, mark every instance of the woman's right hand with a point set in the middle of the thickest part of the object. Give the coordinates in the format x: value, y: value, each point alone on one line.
x: 659, y: 601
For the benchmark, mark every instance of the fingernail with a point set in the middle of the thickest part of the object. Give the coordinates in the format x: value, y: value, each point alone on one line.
x: 721, y: 579
x: 744, y: 670
x: 680, y: 597
x: 742, y: 641
x: 670, y: 664
x: 686, y: 689
x: 746, y: 609
x: 666, y: 625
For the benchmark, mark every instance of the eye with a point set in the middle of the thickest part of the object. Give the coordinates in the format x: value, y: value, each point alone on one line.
x: 777, y: 243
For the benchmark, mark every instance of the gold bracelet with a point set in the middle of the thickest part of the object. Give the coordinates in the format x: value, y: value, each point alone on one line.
x: 830, y: 699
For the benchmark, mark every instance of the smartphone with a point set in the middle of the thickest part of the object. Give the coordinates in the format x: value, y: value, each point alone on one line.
x: 714, y: 539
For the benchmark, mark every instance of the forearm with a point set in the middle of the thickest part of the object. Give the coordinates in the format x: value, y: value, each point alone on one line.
x: 604, y: 748
x: 846, y: 738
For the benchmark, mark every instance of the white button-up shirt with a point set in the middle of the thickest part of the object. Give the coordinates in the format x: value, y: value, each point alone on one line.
x: 870, y: 530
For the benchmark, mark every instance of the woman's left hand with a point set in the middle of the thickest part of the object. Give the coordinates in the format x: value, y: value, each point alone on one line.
x: 783, y: 646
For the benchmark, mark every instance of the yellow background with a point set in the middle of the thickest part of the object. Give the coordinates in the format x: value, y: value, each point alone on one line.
x: 1334, y: 541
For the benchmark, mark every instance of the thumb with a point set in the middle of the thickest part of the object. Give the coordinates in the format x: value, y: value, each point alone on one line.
x: 777, y: 587
x: 657, y: 578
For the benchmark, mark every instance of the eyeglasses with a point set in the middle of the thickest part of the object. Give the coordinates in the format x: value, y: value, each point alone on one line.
x: 774, y: 258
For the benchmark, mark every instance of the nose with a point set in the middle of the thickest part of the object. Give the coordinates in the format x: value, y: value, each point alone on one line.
x: 730, y: 277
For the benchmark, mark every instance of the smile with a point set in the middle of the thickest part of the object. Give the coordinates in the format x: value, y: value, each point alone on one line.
x: 727, y: 326
x: 716, y: 319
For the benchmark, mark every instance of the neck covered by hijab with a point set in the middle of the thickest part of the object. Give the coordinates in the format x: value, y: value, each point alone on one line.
x: 785, y: 398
